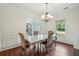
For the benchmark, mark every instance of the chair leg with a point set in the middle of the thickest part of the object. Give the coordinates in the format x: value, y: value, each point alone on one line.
x: 34, y: 49
x: 44, y: 50
x: 50, y: 47
x: 40, y: 48
x: 37, y: 49
x: 24, y: 52
x: 29, y: 51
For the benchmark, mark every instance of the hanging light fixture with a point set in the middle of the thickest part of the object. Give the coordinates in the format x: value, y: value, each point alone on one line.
x: 46, y: 17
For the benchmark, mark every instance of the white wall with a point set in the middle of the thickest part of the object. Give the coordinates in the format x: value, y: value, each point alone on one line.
x: 14, y: 19
x: 71, y: 17
x: 0, y: 17
x: 0, y: 23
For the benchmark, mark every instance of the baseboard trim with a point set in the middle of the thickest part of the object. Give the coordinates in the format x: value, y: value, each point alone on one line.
x: 65, y: 43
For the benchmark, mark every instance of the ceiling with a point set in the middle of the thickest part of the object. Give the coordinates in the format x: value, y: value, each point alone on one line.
x: 39, y: 8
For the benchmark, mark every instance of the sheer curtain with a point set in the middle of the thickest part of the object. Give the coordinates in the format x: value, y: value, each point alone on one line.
x: 38, y: 28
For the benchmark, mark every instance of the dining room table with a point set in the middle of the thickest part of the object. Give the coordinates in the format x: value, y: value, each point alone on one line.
x: 35, y: 41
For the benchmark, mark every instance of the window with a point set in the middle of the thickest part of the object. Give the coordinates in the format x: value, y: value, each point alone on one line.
x: 33, y: 27
x: 60, y: 26
x: 28, y: 28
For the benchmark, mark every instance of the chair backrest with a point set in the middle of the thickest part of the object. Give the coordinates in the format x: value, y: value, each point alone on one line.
x: 49, y: 40
x: 22, y: 37
x: 23, y: 40
x: 50, y: 33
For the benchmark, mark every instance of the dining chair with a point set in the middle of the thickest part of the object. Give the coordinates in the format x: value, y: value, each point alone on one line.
x: 48, y: 42
x: 23, y: 42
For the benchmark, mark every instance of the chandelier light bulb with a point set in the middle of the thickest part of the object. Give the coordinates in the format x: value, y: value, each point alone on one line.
x: 49, y: 16
x: 43, y: 16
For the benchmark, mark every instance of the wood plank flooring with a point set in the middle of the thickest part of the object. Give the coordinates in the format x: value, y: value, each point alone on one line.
x: 60, y: 49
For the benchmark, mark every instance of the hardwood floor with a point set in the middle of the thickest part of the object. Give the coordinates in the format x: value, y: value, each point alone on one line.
x: 76, y: 52
x: 60, y: 49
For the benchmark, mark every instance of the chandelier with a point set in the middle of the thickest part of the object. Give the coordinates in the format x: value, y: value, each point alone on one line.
x: 46, y: 17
